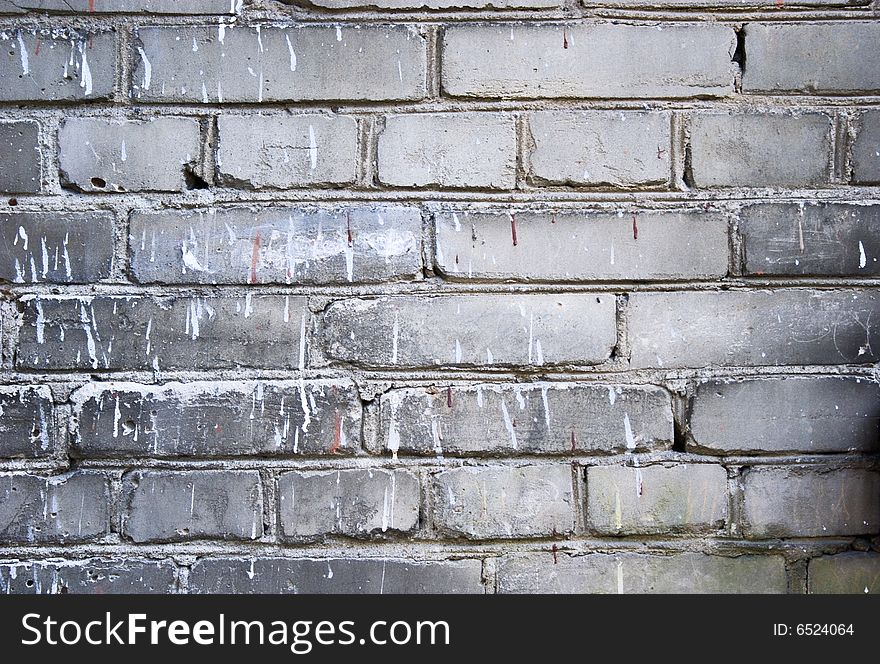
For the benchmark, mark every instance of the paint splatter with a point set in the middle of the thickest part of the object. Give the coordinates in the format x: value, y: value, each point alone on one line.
x: 573, y: 442
x: 255, y: 258
x: 635, y: 228
x: 449, y: 397
x: 564, y: 38
x: 513, y: 228
x: 337, y: 434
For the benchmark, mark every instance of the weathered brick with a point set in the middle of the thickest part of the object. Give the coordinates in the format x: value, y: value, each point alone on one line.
x: 335, y: 576
x: 809, y: 501
x: 218, y: 418
x: 501, y: 502
x: 41, y: 510
x: 760, y: 149
x: 265, y: 64
x: 536, y: 245
x: 600, y: 148
x: 866, y: 149
x: 638, y: 573
x: 56, y: 247
x: 96, y: 576
x: 844, y: 574
x: 812, y: 58
x: 26, y: 421
x: 440, y: 149
x: 756, y: 328
x: 484, y: 330
x: 102, y: 154
x: 123, y: 6
x: 788, y: 414
x: 354, y: 503
x: 542, y: 418
x: 588, y: 60
x: 435, y: 4
x: 55, y: 65
x: 134, y: 332
x: 810, y: 238
x: 286, y: 151
x: 624, y: 500
x: 22, y: 170
x: 277, y: 245
x: 202, y: 504
x: 739, y: 5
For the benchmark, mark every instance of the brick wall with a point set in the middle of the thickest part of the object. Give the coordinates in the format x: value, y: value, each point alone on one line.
x: 453, y: 296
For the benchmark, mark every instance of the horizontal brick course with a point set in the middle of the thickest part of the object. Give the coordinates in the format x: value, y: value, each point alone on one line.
x: 96, y: 576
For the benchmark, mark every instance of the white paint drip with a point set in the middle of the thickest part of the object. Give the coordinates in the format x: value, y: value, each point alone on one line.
x: 395, y: 335
x: 863, y: 260
x: 457, y: 351
x: 546, y: 405
x: 313, y: 148
x: 41, y: 322
x: 612, y: 395
x: 292, y: 54
x: 85, y: 81
x: 628, y: 432
x: 148, y: 69
x: 25, y: 67
x: 508, y: 424
x: 123, y: 155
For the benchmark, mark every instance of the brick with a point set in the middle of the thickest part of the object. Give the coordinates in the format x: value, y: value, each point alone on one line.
x: 809, y: 501
x: 280, y: 152
x: 95, y: 576
x: 754, y: 328
x: 586, y: 245
x: 656, y: 499
x: 26, y: 421
x: 22, y: 171
x: 724, y: 4
x: 760, y: 149
x: 844, y: 574
x: 229, y: 63
x: 787, y: 414
x: 63, y: 509
x: 812, y: 58
x: 100, y: 154
x: 277, y: 245
x: 134, y: 332
x: 483, y: 330
x: 810, y: 238
x: 57, y: 65
x: 56, y: 247
x: 532, y: 418
x: 335, y: 576
x: 866, y: 149
x: 588, y: 60
x: 440, y: 149
x: 600, y: 148
x: 201, y: 504
x: 638, y: 574
x: 123, y: 6
x: 353, y: 503
x: 218, y: 418
x: 435, y: 4
x: 503, y: 502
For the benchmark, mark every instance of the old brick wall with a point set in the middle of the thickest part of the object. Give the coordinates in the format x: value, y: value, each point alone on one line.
x: 508, y: 296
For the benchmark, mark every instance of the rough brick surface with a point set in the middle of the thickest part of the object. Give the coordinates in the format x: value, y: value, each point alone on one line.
x: 792, y: 414
x: 866, y: 149
x: 128, y: 6
x: 436, y: 4
x: 845, y: 573
x: 26, y: 422
x: 22, y: 170
x: 97, y: 576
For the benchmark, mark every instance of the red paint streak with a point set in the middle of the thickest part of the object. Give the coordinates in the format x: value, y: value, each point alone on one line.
x: 513, y: 228
x: 779, y: 3
x: 217, y: 428
x: 255, y: 258
x: 573, y: 442
x: 456, y: 259
x: 553, y: 550
x: 553, y: 218
x: 635, y: 228
x: 37, y: 48
x: 449, y: 397
x: 337, y: 435
x: 92, y: 6
x: 564, y: 38
x: 89, y: 41
x: 348, y: 227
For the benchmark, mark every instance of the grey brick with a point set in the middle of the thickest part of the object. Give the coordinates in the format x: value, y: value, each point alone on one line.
x: 638, y: 573
x: 535, y: 245
x: 95, y: 576
x: 277, y: 245
x: 588, y: 60
x: 480, y: 330
x: 101, y: 154
x: 142, y: 332
x: 441, y: 149
x: 787, y: 414
x: 354, y: 503
x: 743, y: 149
x: 57, y: 65
x: 503, y: 502
x: 123, y: 6
x: 850, y: 573
x: 218, y: 418
x: 286, y: 151
x: 810, y: 238
x: 435, y: 4
x: 265, y: 64
x: 624, y: 500
x: 756, y: 328
x: 812, y: 58
x: 335, y: 576
x: 26, y: 421
x: 809, y: 501
x: 56, y: 247
x: 738, y: 5
x: 42, y: 510
x: 600, y: 148
x: 866, y: 149
x: 541, y: 418
x: 201, y: 504
x: 22, y: 171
